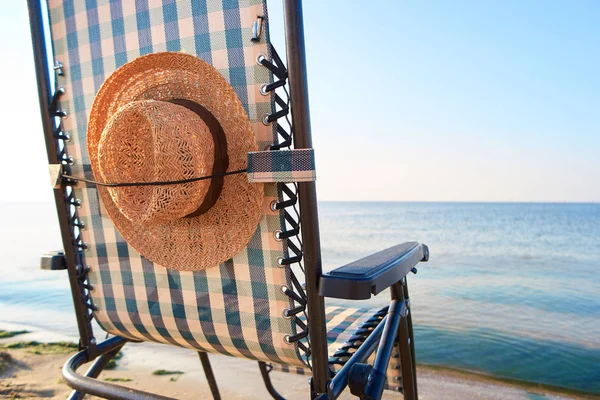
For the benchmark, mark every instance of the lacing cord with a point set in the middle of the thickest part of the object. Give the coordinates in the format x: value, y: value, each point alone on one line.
x: 72, y: 203
x: 53, y: 107
x: 82, y: 277
x: 278, y: 69
x: 287, y: 203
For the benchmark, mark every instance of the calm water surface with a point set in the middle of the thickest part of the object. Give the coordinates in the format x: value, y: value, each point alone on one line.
x: 511, y: 289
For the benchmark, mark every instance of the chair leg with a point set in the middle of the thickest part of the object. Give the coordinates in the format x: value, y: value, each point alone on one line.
x: 264, y: 371
x: 409, y: 379
x: 407, y: 350
x: 210, y: 377
x: 411, y: 338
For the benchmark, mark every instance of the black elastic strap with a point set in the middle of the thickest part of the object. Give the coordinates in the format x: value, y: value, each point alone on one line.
x: 158, y: 183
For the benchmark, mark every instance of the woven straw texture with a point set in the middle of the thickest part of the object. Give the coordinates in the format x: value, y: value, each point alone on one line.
x: 234, y: 308
x: 165, y: 236
x: 150, y: 141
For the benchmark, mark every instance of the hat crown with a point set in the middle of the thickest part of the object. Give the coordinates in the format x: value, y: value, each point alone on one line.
x: 156, y: 141
x: 206, y: 224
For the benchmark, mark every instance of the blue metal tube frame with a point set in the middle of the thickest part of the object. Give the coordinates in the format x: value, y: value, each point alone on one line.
x: 92, y: 386
x: 377, y: 378
x: 94, y: 371
x: 383, y: 337
x: 340, y: 380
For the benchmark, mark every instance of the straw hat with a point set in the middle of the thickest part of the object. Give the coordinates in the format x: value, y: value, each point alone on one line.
x: 167, y: 117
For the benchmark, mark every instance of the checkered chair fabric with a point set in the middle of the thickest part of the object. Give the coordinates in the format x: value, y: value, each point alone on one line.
x: 234, y: 308
x: 282, y: 166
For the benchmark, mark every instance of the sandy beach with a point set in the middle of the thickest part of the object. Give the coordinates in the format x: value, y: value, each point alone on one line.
x: 35, y: 372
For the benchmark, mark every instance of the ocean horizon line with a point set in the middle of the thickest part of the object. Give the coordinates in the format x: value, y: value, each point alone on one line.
x: 463, y: 202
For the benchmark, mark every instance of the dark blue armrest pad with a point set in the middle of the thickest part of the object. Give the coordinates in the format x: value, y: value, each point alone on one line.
x: 372, y: 274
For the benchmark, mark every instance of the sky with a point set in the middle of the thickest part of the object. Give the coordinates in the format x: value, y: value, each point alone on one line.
x: 410, y: 101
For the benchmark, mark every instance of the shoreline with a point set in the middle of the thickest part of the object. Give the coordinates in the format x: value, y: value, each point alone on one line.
x: 40, y: 373
x: 478, y: 376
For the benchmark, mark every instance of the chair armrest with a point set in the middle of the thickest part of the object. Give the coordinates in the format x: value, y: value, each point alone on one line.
x: 372, y: 274
x: 53, y: 261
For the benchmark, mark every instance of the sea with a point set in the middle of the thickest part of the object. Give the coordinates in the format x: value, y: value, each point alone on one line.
x: 511, y: 290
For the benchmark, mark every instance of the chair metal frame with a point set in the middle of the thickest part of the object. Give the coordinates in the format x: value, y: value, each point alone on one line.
x: 395, y: 329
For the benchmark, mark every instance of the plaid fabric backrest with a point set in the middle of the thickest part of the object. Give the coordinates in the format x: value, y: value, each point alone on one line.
x: 234, y: 308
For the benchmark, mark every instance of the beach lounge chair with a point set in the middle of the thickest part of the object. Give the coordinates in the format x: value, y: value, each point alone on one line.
x: 266, y: 301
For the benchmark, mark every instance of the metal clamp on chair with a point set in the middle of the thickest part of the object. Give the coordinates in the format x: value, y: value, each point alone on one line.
x: 53, y: 261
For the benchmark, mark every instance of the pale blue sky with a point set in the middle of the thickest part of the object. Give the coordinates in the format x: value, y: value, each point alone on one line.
x: 437, y: 100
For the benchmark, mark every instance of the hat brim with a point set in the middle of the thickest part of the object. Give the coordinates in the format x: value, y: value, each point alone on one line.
x: 207, y: 240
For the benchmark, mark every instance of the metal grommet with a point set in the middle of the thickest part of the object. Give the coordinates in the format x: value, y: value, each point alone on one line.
x: 61, y: 90
x: 286, y: 339
x: 66, y: 137
x: 263, y: 89
x: 280, y: 262
x: 284, y: 313
x: 260, y: 57
x: 265, y: 120
x: 91, y: 288
x: 70, y: 160
x: 81, y: 225
x: 65, y: 114
x: 277, y: 236
x: 284, y: 289
x: 77, y: 203
x: 274, y: 205
x: 85, y: 246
